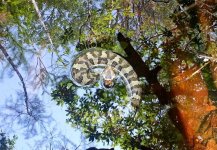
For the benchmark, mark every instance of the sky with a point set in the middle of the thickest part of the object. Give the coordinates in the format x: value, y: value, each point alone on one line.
x: 9, y: 87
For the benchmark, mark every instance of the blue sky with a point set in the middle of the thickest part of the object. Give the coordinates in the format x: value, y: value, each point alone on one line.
x: 8, y: 88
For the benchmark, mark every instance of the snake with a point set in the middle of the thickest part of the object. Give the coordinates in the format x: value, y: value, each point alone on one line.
x: 83, y: 71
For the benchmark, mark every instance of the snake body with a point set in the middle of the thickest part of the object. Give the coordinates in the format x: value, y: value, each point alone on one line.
x: 83, y: 75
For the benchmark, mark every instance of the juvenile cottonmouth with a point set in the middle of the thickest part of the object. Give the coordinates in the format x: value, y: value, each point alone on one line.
x: 83, y: 71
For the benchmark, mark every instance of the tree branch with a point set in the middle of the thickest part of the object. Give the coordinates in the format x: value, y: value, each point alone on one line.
x: 142, y: 69
x: 4, y: 51
x: 41, y: 21
x: 139, y: 66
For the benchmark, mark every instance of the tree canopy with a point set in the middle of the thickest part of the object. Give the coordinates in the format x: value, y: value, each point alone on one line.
x: 170, y: 44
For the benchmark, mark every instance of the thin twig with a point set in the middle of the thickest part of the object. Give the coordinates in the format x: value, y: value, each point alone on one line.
x: 4, y: 51
x: 207, y: 58
x: 42, y: 22
x: 47, y: 32
x: 197, y: 71
x: 194, y: 73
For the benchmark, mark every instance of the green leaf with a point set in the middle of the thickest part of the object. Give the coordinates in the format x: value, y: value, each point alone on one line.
x: 69, y: 85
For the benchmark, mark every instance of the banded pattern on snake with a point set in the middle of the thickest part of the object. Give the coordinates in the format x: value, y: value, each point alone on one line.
x: 83, y: 74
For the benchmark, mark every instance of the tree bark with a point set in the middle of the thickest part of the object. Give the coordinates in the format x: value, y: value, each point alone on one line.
x: 192, y: 110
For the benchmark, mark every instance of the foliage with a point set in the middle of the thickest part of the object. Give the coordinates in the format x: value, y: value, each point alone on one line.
x: 6, y: 143
x: 98, y: 112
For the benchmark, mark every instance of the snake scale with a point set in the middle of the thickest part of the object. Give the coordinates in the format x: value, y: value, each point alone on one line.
x: 83, y: 74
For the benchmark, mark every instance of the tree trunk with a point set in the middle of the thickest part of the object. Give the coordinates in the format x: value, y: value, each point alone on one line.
x: 192, y: 109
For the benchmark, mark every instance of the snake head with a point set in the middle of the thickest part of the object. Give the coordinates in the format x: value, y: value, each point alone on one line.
x: 108, y: 84
x: 108, y: 77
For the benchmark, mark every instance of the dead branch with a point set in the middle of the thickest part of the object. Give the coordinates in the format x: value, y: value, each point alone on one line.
x: 42, y: 22
x: 4, y: 51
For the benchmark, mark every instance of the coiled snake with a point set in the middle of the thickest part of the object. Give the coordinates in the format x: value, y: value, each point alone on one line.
x: 83, y: 71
